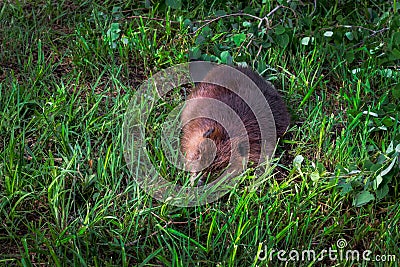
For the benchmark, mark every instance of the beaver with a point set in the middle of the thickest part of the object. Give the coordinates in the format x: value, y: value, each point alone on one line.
x: 208, y: 143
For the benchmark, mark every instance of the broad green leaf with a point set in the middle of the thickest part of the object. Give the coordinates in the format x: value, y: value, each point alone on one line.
x: 297, y: 161
x: 200, y: 39
x: 378, y: 180
x: 346, y: 188
x: 394, y: 54
x: 306, y: 40
x: 115, y: 27
x: 246, y: 24
x: 113, y: 33
x: 279, y: 29
x: 314, y: 176
x: 382, y: 192
x: 226, y: 57
x: 388, y: 122
x: 363, y: 198
x: 396, y: 91
x: 239, y: 38
x: 194, y: 53
x: 114, y: 36
x: 349, y: 35
x: 187, y: 22
x: 116, y: 9
x: 282, y: 40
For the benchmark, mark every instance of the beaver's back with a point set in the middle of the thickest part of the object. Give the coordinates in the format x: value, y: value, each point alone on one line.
x: 195, y: 131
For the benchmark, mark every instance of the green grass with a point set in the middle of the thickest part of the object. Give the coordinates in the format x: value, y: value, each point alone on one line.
x: 67, y: 75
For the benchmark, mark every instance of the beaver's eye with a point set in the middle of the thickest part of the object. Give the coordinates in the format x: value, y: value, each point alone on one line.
x: 209, y: 132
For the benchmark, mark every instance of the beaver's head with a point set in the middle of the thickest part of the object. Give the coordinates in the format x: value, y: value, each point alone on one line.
x: 208, y: 150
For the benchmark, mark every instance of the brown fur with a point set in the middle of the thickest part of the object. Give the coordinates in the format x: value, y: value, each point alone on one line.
x: 199, y: 135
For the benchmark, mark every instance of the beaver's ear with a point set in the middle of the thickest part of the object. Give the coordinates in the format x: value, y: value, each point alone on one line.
x: 209, y: 132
